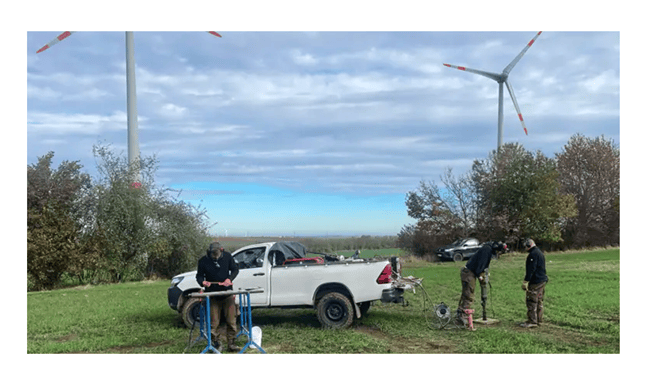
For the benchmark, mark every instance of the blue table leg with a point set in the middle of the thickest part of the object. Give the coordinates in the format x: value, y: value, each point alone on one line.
x: 245, y: 317
x: 205, y: 312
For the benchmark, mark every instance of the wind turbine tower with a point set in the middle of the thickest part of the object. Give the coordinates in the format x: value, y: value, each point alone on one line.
x: 131, y: 105
x: 501, y: 79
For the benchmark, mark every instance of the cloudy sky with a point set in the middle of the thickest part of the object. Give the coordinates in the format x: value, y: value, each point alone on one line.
x: 282, y: 133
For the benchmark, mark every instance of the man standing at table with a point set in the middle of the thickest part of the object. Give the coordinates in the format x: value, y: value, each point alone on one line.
x: 216, y: 271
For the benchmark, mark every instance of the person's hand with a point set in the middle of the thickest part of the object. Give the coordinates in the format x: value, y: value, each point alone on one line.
x: 206, y: 283
x: 226, y: 283
x: 524, y: 286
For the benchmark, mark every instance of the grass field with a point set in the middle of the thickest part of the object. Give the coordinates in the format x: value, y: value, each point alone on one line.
x: 582, y: 315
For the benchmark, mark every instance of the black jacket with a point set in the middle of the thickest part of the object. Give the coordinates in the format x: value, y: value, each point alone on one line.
x: 535, y: 267
x: 217, y: 271
x: 481, y: 259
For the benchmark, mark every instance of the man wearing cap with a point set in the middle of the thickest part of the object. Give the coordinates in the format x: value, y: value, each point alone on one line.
x: 216, y: 271
x: 476, y: 267
x: 534, y: 284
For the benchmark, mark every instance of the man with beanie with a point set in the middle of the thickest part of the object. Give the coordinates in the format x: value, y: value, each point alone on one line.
x: 476, y: 267
x: 534, y: 284
x: 216, y: 271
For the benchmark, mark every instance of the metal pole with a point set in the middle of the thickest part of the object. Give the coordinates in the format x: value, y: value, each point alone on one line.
x: 500, y: 132
x: 131, y: 107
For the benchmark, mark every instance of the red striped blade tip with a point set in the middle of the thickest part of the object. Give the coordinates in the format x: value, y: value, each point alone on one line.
x: 214, y: 33
x: 43, y: 49
x: 64, y: 35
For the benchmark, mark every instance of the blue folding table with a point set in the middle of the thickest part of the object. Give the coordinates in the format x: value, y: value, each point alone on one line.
x: 245, y: 318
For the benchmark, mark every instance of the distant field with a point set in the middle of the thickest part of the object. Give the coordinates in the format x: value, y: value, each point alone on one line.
x: 582, y: 315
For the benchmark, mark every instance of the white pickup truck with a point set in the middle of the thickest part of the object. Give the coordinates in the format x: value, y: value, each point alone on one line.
x: 338, y: 288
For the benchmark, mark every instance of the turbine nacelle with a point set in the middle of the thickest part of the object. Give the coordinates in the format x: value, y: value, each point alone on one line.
x: 502, y: 79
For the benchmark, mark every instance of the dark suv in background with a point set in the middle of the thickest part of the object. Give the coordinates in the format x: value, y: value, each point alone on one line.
x: 459, y: 250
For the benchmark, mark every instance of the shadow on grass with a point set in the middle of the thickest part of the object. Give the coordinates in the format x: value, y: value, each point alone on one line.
x: 285, y: 318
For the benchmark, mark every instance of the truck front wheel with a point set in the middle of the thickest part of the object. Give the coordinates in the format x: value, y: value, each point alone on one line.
x: 335, y: 311
x: 190, y: 312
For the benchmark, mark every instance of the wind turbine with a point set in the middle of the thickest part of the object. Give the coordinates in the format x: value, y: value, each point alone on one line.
x: 501, y: 79
x: 132, y: 112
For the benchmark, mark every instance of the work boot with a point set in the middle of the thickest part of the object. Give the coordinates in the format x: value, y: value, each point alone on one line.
x: 232, y: 347
x: 460, y: 317
x: 216, y: 342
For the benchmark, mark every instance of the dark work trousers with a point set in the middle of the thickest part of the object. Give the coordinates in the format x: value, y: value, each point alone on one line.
x: 230, y: 311
x: 535, y: 302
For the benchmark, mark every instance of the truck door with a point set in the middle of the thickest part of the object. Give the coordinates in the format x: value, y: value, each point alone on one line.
x: 253, y: 273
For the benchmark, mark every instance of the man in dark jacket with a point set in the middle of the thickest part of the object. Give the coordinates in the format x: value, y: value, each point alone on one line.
x: 216, y: 271
x: 476, y: 267
x: 534, y: 284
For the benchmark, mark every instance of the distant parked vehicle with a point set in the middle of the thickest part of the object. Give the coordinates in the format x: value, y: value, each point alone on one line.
x: 459, y: 250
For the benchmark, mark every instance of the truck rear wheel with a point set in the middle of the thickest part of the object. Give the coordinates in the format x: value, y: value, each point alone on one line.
x: 335, y: 310
x: 190, y: 312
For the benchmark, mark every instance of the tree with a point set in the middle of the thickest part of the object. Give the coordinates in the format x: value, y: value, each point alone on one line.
x: 52, y: 230
x: 144, y: 230
x: 442, y: 214
x: 519, y: 195
x: 589, y: 170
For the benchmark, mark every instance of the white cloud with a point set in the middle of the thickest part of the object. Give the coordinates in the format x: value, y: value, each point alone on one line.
x: 605, y: 82
x: 171, y: 110
x: 63, y: 124
x: 303, y: 59
x: 44, y: 93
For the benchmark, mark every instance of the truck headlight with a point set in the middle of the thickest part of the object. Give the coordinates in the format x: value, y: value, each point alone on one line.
x: 177, y: 280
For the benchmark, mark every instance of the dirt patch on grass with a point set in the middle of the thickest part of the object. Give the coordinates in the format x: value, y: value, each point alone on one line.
x: 407, y: 345
x: 132, y: 348
x: 67, y: 338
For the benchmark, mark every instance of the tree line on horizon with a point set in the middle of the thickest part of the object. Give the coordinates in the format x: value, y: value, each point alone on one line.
x: 122, y: 226
x: 571, y: 201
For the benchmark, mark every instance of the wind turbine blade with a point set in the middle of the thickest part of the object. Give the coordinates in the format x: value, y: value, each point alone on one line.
x: 514, y: 100
x: 507, y: 70
x: 214, y: 33
x: 55, y: 40
x: 490, y: 75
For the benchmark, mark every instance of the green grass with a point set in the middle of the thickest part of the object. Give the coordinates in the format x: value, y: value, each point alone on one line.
x: 582, y: 315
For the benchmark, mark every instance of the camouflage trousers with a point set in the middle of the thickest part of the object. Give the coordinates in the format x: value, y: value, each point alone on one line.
x: 229, y: 309
x: 535, y: 302
x: 468, y: 280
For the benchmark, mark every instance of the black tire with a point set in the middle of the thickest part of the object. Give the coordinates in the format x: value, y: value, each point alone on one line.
x: 458, y: 256
x: 364, y: 308
x: 335, y: 310
x: 190, y: 312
